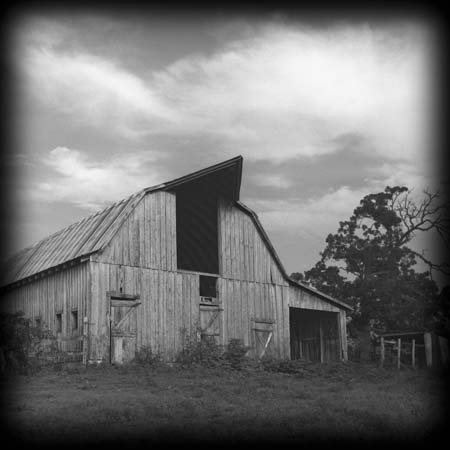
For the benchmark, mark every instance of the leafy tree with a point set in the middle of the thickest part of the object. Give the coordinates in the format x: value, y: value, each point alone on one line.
x: 368, y: 263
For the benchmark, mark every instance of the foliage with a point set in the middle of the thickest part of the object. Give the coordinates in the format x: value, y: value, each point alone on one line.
x: 24, y: 345
x: 235, y: 353
x: 205, y: 351
x: 145, y: 356
x: 369, y: 264
x: 440, y: 312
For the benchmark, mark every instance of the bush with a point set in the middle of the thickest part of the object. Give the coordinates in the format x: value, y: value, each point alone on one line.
x: 235, y: 353
x: 23, y: 346
x: 146, y: 357
x: 204, y: 351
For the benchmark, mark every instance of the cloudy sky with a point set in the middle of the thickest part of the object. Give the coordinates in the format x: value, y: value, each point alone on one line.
x: 323, y: 112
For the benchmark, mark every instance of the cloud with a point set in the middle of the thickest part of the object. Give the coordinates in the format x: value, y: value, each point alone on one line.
x: 287, y: 92
x: 93, y: 184
x: 315, y: 217
x: 274, y: 92
x: 94, y: 91
x: 276, y: 181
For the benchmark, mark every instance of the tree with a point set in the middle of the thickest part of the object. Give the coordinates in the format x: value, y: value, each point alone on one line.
x: 369, y: 264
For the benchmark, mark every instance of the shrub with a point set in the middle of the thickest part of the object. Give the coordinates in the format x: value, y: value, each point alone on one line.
x: 204, y: 351
x: 25, y: 347
x: 235, y: 353
x: 146, y: 357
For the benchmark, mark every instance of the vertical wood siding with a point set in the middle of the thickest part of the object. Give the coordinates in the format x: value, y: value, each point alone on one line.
x: 148, y: 236
x: 243, y: 254
x: 169, y: 309
x: 299, y: 298
x: 169, y: 305
x: 245, y: 301
x: 57, y: 292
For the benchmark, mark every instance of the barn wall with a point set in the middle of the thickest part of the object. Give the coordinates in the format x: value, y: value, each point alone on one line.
x: 59, y: 291
x: 300, y: 298
x: 170, y: 304
x: 147, y: 238
x: 245, y: 301
x: 243, y: 254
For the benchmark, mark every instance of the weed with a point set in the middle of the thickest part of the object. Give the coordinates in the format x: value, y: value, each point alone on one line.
x: 235, y: 354
x: 197, y: 350
x: 145, y: 356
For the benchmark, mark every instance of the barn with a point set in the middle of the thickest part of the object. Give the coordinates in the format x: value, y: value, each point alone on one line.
x: 183, y: 258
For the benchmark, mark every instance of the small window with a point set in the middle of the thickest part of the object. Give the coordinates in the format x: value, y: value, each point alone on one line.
x: 74, y: 320
x: 58, y: 322
x: 208, y: 286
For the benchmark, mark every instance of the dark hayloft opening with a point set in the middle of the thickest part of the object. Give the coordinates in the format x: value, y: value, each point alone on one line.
x: 197, y: 235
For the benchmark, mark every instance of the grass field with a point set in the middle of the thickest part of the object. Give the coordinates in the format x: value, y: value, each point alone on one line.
x: 313, y: 402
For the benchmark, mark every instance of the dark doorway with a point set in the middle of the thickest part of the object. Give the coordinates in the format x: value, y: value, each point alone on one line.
x: 314, y: 335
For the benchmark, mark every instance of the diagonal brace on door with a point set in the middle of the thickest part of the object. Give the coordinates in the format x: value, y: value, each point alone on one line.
x: 125, y: 317
x: 266, y: 344
x: 211, y: 320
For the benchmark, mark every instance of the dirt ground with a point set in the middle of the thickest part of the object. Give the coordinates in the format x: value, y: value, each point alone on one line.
x: 310, y: 402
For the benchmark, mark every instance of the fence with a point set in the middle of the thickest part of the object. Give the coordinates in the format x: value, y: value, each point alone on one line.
x: 412, y: 350
x: 401, y: 353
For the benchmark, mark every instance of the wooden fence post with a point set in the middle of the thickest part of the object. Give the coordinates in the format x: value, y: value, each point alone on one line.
x: 399, y: 351
x: 382, y: 351
x: 413, y: 353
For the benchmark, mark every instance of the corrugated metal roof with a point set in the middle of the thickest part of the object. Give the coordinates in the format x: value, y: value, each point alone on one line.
x: 88, y: 235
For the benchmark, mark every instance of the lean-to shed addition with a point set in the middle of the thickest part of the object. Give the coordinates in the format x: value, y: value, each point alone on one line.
x: 184, y: 258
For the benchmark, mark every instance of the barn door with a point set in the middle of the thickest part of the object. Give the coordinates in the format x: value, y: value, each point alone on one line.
x: 262, y: 336
x: 210, y: 321
x: 123, y: 328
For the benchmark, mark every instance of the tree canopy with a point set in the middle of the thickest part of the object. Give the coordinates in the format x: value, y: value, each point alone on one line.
x: 369, y: 264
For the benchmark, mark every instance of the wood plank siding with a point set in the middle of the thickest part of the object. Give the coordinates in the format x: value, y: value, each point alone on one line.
x: 147, y: 238
x: 59, y: 292
x: 170, y: 306
x: 243, y: 254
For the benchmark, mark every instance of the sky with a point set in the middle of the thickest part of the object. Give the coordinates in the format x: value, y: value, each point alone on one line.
x: 323, y: 113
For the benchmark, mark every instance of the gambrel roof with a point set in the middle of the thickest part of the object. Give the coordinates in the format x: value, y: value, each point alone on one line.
x: 92, y: 234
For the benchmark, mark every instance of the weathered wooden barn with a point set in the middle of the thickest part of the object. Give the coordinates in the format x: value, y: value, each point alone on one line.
x: 184, y: 258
